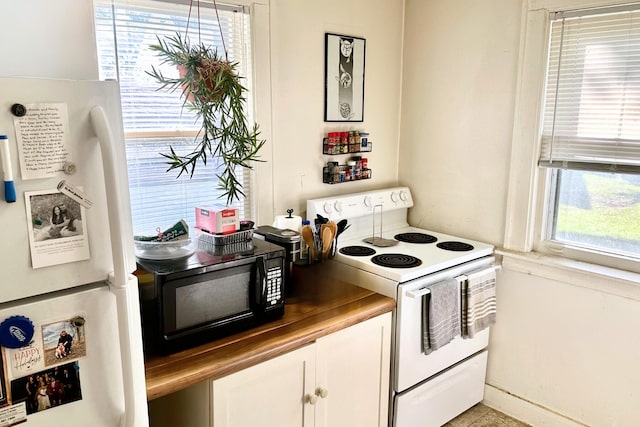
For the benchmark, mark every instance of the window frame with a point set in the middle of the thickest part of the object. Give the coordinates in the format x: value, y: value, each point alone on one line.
x: 529, y: 196
x: 262, y: 185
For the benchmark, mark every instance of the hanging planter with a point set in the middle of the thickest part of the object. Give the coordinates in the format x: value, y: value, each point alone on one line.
x: 202, y: 74
x: 210, y: 86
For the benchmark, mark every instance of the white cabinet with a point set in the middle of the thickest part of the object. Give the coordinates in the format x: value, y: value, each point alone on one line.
x: 353, y: 367
x: 341, y: 379
x: 271, y: 393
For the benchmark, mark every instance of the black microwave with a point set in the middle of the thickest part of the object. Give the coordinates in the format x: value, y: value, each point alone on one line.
x: 217, y: 291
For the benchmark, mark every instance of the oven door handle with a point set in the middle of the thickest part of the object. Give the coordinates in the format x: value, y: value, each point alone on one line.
x: 424, y: 291
x: 418, y: 293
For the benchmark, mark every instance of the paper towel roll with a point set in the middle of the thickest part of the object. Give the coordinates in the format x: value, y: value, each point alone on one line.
x: 292, y: 223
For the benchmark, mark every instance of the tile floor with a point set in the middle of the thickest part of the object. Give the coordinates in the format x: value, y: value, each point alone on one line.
x: 483, y: 416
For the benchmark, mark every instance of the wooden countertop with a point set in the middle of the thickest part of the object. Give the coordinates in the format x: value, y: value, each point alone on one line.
x: 318, y: 306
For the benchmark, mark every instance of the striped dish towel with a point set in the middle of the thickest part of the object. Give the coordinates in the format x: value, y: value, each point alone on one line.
x: 478, y: 301
x: 440, y: 315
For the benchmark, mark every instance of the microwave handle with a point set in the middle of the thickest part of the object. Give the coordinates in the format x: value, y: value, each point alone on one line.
x: 262, y: 282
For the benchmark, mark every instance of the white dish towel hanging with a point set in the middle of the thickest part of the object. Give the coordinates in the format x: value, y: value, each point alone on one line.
x: 478, y: 301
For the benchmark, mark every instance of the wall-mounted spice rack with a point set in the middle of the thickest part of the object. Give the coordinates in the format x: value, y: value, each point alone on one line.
x: 346, y: 143
x: 354, y: 170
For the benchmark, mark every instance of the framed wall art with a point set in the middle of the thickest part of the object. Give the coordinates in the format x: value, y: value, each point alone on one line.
x: 344, y: 78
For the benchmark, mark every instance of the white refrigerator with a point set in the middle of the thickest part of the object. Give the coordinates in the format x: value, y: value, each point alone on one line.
x: 69, y: 312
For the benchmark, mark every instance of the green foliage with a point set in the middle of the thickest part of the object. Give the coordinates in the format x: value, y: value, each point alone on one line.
x: 211, y: 87
x: 614, y: 211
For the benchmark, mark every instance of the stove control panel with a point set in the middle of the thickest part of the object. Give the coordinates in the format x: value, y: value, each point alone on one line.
x: 360, y: 204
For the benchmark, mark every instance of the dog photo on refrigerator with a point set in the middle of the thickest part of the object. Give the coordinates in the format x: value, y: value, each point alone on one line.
x: 64, y: 340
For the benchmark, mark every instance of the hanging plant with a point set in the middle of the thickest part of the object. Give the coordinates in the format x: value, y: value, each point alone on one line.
x: 212, y: 88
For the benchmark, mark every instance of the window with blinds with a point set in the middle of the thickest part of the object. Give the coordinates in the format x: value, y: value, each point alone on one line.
x: 591, y: 130
x: 592, y: 108
x: 156, y: 119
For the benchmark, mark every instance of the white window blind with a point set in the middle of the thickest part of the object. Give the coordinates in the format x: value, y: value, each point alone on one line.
x: 155, y: 119
x: 592, y: 105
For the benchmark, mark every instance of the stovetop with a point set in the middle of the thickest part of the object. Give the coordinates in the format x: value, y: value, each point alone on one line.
x: 432, y: 258
x: 382, y: 214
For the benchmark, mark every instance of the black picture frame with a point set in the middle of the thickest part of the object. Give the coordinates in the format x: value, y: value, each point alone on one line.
x: 344, y: 65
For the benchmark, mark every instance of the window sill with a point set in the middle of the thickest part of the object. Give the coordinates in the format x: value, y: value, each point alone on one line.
x: 596, y: 277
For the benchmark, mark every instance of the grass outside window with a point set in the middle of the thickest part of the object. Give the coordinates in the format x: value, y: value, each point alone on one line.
x: 599, y: 210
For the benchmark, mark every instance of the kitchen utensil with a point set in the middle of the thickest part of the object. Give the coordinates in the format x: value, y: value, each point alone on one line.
x: 307, y: 235
x: 321, y: 219
x: 334, y: 231
x: 327, y: 239
x: 341, y: 226
x: 334, y: 227
x: 375, y: 240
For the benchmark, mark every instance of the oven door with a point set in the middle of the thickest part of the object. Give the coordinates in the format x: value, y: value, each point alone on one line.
x: 411, y: 364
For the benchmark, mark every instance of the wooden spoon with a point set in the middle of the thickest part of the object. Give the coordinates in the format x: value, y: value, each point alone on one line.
x: 327, y: 239
x: 334, y: 227
x: 307, y: 235
x: 334, y: 230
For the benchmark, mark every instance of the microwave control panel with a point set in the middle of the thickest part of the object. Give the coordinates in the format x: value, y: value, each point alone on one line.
x: 274, y: 285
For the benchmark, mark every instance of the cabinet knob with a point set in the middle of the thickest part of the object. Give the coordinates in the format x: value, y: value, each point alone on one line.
x: 311, y: 398
x: 322, y: 392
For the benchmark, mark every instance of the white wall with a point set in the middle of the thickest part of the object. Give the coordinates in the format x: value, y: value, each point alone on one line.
x: 43, y: 38
x: 297, y: 52
x: 460, y: 61
x: 566, y: 348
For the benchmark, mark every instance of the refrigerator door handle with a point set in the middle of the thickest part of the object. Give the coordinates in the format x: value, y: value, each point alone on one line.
x: 131, y: 354
x: 103, y: 131
x: 122, y: 284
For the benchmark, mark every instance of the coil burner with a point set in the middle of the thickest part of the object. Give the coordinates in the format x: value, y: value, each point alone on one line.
x: 396, y: 260
x: 455, y: 246
x: 357, y: 251
x: 421, y: 238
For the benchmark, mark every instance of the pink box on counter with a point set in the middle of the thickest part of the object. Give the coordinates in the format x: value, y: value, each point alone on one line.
x: 221, y: 221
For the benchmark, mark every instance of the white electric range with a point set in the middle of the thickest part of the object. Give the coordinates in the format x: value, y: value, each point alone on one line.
x: 426, y: 389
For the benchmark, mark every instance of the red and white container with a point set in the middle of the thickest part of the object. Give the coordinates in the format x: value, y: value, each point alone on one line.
x: 220, y: 221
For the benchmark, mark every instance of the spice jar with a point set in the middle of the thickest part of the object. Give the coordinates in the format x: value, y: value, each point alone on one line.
x: 358, y: 166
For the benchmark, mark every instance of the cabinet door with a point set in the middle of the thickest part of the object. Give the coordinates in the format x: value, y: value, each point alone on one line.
x: 353, y: 367
x: 272, y: 393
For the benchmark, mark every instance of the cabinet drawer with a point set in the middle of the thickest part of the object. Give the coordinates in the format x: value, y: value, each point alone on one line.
x: 443, y: 397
